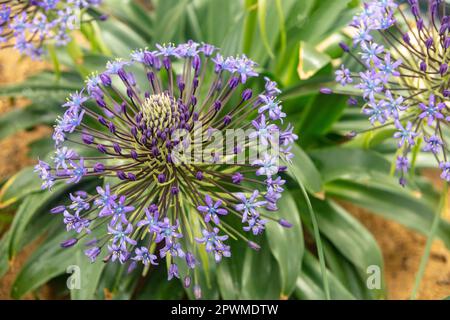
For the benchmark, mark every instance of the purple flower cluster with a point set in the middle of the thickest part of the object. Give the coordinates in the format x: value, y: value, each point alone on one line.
x: 404, y: 83
x: 150, y: 206
x: 26, y: 25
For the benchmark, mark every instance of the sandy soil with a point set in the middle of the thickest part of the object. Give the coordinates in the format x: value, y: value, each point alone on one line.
x: 402, y: 249
x: 13, y: 150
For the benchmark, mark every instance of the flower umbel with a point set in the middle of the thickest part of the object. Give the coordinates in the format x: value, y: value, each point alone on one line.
x: 403, y: 50
x: 26, y: 25
x: 153, y: 202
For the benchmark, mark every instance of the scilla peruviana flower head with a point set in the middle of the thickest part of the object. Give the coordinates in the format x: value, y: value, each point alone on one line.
x: 27, y: 25
x: 154, y: 131
x: 402, y: 50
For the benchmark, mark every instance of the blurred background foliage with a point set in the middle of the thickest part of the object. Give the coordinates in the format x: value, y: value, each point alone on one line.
x: 295, y: 43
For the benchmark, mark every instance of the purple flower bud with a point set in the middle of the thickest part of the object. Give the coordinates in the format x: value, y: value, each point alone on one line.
x: 352, y: 101
x: 423, y: 66
x: 196, y: 62
x: 121, y: 175
x: 131, y: 267
x: 58, y: 209
x: 69, y: 243
x: 234, y: 82
x: 217, y: 105
x: 187, y: 282
x: 443, y: 69
x: 134, y: 154
x: 344, y: 47
x: 237, y: 178
x: 101, y: 148
x: 247, y: 94
x: 106, y: 79
x: 166, y: 62
x: 87, y: 138
x: 122, y: 75
x: 190, y: 260
x: 111, y: 127
x: 161, y: 178
x: 253, y: 245
x: 99, y: 167
x: 227, y: 120
x: 131, y: 176
x: 197, y: 292
x: 199, y: 175
x: 174, y: 190
x: 102, y: 121
x: 285, y: 223
x: 326, y: 91
x: 117, y: 148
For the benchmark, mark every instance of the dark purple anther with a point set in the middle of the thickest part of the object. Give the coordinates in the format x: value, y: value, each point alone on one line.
x: 99, y: 167
x: 69, y: 243
x: 161, y: 178
x: 131, y: 176
x: 57, y: 209
x: 446, y: 93
x: 106, y: 79
x: 101, y: 148
x: 429, y: 43
x: 285, y: 223
x: 155, y: 151
x: 103, y: 17
x: 247, y: 94
x: 199, y: 175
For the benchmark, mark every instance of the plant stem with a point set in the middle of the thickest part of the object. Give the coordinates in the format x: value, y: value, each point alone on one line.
x: 431, y: 235
x: 320, y: 253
